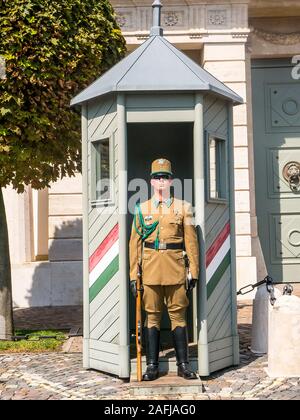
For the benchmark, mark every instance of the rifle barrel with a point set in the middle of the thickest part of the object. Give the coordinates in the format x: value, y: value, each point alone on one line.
x: 139, y: 329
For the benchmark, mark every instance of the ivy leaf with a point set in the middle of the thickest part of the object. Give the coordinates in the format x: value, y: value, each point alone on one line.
x: 52, y: 50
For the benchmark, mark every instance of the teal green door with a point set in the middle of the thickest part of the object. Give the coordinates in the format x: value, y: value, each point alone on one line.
x: 276, y: 130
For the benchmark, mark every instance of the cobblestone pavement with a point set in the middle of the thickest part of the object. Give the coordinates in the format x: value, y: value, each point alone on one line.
x: 51, y: 376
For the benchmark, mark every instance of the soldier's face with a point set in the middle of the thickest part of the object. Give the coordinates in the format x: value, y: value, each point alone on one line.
x: 161, y: 183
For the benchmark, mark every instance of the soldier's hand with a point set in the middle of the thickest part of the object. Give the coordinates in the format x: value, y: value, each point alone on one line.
x: 133, y: 288
x: 191, y: 284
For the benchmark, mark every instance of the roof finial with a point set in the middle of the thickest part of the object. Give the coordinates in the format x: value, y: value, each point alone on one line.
x: 156, y: 28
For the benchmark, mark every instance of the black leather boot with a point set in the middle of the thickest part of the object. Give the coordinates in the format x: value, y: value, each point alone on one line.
x: 180, y: 338
x: 152, y: 351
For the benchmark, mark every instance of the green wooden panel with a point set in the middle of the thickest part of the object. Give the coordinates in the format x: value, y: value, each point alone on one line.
x: 219, y: 288
x: 107, y: 322
x: 160, y: 115
x: 103, y: 231
x: 112, y: 333
x: 108, y: 109
x: 101, y: 220
x: 220, y: 301
x: 104, y: 278
x: 116, y: 339
x: 215, y: 115
x: 168, y: 101
x: 220, y: 354
x: 106, y: 126
x: 98, y: 108
x: 227, y: 331
x: 219, y: 320
x: 276, y: 129
x: 105, y: 347
x: 209, y: 101
x: 216, y: 278
x: 217, y: 119
x: 94, y: 214
x: 106, y: 301
x: 105, y: 352
x: 216, y: 223
x: 104, y: 356
x: 107, y: 290
x: 222, y: 289
x: 221, y: 364
x: 160, y: 108
x: 210, y: 208
x: 219, y: 344
x: 104, y: 366
x: 223, y: 128
x: 226, y: 327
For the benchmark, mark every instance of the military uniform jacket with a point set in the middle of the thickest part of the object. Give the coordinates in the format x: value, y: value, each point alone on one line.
x: 176, y: 224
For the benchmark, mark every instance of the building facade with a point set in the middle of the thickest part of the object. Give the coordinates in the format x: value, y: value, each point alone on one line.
x: 252, y: 46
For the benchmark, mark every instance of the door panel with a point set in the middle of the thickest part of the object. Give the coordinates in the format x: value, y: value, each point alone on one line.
x: 276, y: 129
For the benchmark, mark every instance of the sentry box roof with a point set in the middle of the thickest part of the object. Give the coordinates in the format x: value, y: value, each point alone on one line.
x: 156, y: 66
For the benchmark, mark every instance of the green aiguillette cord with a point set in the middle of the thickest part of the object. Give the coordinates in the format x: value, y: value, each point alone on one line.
x: 145, y: 230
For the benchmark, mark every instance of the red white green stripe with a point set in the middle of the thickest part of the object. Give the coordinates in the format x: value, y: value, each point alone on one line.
x: 217, y: 259
x: 104, y: 262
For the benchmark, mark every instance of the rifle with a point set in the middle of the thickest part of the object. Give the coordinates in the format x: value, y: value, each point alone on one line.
x: 138, y: 325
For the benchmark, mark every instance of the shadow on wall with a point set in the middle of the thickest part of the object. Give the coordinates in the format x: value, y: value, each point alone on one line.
x: 57, y: 281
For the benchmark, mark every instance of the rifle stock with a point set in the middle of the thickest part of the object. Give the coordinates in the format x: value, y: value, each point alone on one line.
x: 139, y: 324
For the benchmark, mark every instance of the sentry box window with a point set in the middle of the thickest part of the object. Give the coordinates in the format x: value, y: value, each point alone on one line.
x: 216, y: 171
x: 102, y: 171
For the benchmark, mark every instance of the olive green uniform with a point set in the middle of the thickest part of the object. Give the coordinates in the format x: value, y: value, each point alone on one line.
x: 163, y: 270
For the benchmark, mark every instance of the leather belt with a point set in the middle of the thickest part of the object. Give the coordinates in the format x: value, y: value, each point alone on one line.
x: 163, y: 245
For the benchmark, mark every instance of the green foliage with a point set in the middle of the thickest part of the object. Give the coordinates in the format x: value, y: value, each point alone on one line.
x: 52, y: 49
x: 33, y: 344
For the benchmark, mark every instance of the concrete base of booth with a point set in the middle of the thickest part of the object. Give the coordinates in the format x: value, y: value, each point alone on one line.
x: 168, y: 384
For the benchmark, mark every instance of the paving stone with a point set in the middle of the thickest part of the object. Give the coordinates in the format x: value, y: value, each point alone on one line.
x: 60, y: 376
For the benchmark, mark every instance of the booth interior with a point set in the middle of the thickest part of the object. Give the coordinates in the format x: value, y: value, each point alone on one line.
x: 147, y: 142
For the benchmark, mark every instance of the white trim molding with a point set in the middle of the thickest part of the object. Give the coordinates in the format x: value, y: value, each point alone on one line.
x: 185, y: 22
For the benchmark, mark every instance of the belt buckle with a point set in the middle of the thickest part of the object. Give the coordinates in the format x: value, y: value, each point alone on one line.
x: 162, y: 245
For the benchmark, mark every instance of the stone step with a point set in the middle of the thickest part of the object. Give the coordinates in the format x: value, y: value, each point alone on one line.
x: 169, y: 384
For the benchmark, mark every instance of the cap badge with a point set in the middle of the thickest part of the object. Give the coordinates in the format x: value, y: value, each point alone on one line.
x: 161, y: 161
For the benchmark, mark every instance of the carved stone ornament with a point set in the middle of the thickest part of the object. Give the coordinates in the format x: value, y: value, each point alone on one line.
x: 195, y: 35
x: 217, y: 17
x: 171, y: 19
x: 275, y: 38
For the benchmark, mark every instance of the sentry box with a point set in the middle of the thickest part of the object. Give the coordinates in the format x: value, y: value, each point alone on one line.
x: 157, y: 102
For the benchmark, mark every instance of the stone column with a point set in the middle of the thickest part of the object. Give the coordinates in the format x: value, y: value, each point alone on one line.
x: 18, y: 213
x: 224, y: 56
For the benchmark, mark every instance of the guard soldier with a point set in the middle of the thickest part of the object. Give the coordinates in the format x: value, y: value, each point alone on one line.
x: 162, y: 228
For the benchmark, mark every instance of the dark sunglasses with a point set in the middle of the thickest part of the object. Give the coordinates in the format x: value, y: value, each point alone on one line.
x: 163, y: 176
